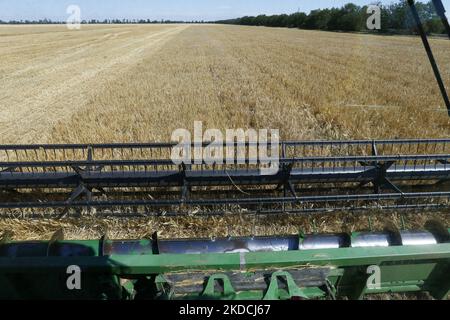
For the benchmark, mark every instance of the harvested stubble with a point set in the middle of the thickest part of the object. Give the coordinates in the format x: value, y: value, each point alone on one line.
x: 211, y: 227
x: 139, y: 83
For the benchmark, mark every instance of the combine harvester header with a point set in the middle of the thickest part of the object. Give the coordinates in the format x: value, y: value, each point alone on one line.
x: 313, y: 177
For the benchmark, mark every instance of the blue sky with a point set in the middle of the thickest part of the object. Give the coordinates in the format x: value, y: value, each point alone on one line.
x: 162, y: 9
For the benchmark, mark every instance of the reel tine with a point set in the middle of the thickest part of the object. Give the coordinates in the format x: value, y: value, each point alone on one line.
x: 58, y: 235
x: 437, y: 227
x: 6, y: 236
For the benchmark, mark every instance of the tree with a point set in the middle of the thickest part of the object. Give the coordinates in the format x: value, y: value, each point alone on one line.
x: 348, y: 18
x: 297, y: 20
x: 318, y: 19
x: 260, y: 20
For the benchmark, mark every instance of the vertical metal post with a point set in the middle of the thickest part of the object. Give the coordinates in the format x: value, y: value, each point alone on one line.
x: 441, y: 13
x: 430, y: 53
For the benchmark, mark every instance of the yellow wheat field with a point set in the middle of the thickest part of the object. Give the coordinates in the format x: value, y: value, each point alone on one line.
x: 130, y: 83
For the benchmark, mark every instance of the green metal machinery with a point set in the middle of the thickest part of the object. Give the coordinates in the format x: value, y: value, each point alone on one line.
x: 317, y: 266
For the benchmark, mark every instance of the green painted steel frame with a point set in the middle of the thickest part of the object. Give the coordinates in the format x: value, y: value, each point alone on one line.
x: 403, y: 268
x: 162, y: 263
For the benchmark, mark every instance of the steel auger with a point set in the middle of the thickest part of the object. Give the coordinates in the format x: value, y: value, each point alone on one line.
x: 315, y: 266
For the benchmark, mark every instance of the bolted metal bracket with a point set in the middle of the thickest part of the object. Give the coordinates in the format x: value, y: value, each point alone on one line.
x: 381, y: 180
x: 82, y: 188
x: 224, y: 283
x: 274, y: 292
x: 286, y: 170
x: 185, y: 189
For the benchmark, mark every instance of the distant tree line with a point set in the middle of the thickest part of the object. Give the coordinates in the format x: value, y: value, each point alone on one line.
x: 104, y: 21
x: 395, y: 18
